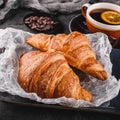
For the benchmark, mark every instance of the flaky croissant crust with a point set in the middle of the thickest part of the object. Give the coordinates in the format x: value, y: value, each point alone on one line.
x: 49, y: 75
x: 75, y: 47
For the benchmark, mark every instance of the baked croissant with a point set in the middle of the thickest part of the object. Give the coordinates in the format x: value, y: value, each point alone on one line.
x: 76, y: 49
x: 49, y: 75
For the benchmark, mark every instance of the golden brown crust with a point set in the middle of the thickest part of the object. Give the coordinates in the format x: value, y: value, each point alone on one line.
x: 76, y: 49
x: 49, y: 75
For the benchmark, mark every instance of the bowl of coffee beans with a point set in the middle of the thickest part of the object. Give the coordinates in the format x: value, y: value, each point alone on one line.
x: 43, y: 23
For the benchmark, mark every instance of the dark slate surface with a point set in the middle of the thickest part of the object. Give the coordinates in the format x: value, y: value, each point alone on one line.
x: 10, y: 111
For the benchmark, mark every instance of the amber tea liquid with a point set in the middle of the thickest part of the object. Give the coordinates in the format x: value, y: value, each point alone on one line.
x: 96, y: 15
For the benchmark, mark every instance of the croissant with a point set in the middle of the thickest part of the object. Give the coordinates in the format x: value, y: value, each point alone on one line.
x: 49, y: 75
x: 76, y: 49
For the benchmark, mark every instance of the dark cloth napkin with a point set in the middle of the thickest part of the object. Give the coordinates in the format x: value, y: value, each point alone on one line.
x: 48, y: 6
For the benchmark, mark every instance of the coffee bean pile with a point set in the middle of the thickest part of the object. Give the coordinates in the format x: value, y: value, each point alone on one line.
x: 40, y: 23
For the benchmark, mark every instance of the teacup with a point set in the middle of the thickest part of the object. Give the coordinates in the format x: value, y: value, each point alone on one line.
x: 113, y: 31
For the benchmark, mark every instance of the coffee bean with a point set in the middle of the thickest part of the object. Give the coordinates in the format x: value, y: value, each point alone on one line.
x: 40, y: 23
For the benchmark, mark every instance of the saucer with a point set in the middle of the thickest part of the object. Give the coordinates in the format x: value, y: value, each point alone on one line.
x: 77, y: 23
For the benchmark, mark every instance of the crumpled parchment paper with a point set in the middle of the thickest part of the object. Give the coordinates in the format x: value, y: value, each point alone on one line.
x: 12, y: 46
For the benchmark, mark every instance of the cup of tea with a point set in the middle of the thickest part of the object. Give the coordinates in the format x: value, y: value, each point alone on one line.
x: 103, y: 17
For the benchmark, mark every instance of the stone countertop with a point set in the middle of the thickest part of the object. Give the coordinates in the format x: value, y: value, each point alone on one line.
x: 10, y: 111
x: 15, y: 20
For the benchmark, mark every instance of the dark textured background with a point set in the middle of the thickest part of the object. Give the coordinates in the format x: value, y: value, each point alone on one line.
x: 10, y: 111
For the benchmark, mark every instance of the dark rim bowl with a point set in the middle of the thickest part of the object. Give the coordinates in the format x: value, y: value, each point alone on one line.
x: 58, y: 28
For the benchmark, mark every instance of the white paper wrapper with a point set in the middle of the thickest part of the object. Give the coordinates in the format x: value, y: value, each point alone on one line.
x: 12, y: 42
